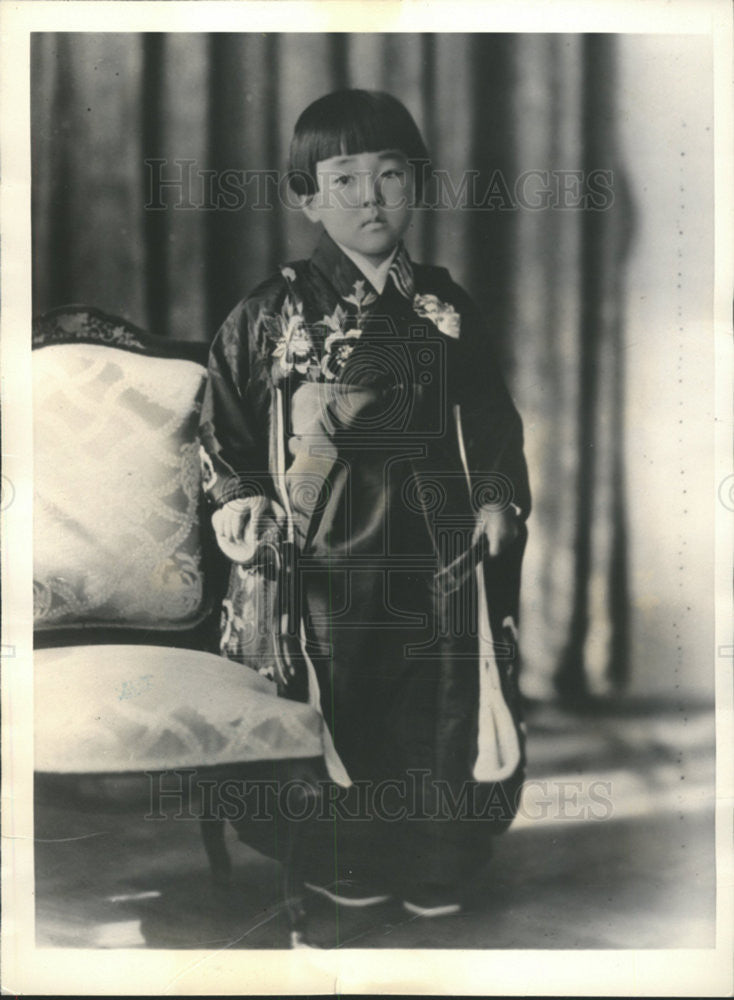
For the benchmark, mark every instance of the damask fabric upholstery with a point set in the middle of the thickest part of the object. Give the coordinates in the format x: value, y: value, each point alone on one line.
x: 117, y: 477
x: 112, y: 709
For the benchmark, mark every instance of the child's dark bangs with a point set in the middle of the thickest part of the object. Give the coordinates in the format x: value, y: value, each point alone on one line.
x: 370, y: 136
x: 349, y: 138
x: 348, y: 123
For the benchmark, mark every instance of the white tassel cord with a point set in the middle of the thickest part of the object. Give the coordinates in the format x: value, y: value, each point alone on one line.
x: 498, y: 743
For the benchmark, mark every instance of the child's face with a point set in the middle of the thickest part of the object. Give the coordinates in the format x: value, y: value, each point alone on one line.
x: 363, y: 201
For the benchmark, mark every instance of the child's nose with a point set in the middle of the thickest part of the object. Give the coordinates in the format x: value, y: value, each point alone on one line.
x: 371, y: 194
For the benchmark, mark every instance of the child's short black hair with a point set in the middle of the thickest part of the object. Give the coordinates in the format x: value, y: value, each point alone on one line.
x: 347, y: 122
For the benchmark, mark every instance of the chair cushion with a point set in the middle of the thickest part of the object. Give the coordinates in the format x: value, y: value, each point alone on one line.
x: 117, y: 477
x: 113, y: 709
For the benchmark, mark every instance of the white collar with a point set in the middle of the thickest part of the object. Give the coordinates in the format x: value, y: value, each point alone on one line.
x: 377, y: 276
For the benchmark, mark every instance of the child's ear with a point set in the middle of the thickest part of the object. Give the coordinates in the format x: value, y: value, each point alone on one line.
x: 309, y: 209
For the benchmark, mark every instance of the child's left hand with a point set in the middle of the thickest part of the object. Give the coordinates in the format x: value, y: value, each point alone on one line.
x: 502, y: 528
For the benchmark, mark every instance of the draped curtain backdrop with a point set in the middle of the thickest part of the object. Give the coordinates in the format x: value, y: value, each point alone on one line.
x: 549, y: 279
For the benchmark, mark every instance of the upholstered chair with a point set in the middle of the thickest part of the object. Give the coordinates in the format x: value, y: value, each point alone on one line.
x: 128, y: 682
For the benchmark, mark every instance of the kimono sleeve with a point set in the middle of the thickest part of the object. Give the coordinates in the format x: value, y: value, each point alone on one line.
x: 235, y: 414
x: 490, y: 423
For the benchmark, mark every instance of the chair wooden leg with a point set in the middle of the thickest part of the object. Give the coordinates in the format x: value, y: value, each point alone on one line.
x: 212, y: 833
x: 294, y: 901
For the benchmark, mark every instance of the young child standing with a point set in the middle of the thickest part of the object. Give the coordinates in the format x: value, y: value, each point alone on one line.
x: 355, y: 409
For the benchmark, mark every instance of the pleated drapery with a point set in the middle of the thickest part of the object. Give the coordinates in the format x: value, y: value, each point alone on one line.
x: 114, y: 113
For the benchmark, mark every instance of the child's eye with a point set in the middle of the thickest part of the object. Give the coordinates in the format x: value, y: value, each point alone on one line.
x: 342, y: 179
x: 394, y: 174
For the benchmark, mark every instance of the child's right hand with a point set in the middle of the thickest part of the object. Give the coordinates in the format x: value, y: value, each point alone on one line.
x: 238, y: 525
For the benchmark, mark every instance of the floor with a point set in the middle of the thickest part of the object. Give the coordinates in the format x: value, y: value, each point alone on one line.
x: 613, y: 848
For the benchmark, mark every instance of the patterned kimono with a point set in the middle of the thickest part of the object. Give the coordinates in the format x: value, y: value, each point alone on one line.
x: 379, y: 423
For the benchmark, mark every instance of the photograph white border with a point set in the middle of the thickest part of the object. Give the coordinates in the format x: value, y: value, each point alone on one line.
x: 26, y: 969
